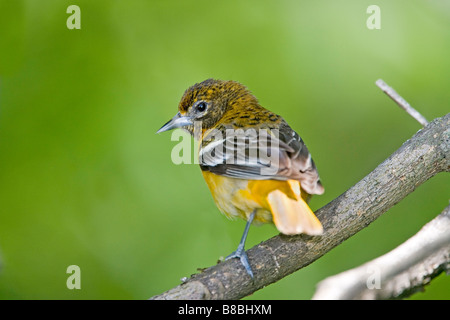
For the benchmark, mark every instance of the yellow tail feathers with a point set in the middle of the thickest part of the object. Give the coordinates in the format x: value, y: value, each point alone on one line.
x: 293, y: 216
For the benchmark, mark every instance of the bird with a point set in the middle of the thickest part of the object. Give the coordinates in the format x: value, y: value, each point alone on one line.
x: 255, y: 165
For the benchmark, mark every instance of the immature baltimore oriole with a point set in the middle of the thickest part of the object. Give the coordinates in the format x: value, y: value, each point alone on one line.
x: 242, y: 183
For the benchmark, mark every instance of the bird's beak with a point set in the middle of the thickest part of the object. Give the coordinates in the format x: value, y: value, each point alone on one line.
x: 178, y: 121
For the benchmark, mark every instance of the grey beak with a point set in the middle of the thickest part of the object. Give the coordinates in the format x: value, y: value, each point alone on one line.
x: 178, y: 121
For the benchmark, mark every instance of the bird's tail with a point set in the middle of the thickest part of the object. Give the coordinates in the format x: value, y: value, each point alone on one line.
x: 293, y: 216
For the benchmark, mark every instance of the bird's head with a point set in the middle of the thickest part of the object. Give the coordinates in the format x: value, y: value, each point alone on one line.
x: 207, y: 102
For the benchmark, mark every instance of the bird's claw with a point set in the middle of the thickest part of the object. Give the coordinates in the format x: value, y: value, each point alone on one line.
x: 242, y: 255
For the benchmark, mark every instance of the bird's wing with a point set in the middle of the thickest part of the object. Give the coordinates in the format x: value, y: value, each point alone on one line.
x: 260, y: 154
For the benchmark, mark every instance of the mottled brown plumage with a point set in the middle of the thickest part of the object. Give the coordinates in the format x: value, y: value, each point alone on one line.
x: 230, y: 105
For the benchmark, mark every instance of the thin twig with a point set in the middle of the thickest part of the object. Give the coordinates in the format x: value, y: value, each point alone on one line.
x: 401, y: 102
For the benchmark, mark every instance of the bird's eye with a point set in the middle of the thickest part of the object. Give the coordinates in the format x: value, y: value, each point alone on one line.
x: 201, y: 106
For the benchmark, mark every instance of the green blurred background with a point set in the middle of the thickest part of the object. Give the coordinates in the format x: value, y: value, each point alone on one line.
x: 85, y: 180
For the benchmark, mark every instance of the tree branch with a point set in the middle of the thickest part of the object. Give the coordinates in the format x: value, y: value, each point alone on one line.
x: 399, y: 273
x: 416, y: 161
x: 401, y: 102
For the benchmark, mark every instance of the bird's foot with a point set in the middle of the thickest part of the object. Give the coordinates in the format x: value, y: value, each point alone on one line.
x: 240, y: 253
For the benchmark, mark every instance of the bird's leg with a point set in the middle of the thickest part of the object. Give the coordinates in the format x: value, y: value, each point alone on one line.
x: 240, y: 251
